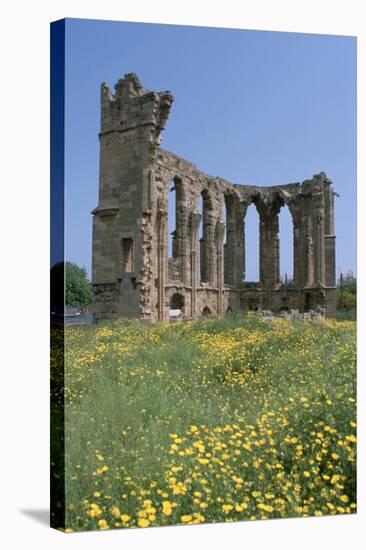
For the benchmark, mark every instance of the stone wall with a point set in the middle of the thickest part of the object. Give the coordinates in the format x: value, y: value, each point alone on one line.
x: 132, y: 273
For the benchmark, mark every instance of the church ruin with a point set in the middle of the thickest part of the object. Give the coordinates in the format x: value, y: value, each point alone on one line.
x: 133, y: 273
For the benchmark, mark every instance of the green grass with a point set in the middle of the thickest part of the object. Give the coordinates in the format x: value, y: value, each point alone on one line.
x: 220, y: 419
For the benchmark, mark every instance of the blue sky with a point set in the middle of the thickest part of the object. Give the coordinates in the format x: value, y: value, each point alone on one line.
x: 255, y: 107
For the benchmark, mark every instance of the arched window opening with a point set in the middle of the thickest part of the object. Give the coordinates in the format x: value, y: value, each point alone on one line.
x: 172, y: 219
x: 127, y: 255
x: 284, y: 303
x: 224, y: 218
x: 204, y: 207
x: 200, y: 211
x: 177, y: 302
x: 251, y: 244
x: 286, y: 233
x: 308, y: 302
x: 206, y: 311
x: 199, y: 236
x: 253, y: 304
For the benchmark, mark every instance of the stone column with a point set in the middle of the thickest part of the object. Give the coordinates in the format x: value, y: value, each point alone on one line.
x: 320, y: 246
x: 162, y: 224
x: 269, y: 250
x: 184, y: 247
x: 240, y: 245
x: 240, y: 255
x: 230, y: 256
x: 297, y: 248
x: 195, y: 222
x: 210, y: 256
x: 274, y: 245
x: 296, y: 239
x: 234, y: 247
x: 262, y: 250
x: 220, y: 232
x: 230, y: 247
x: 309, y: 251
x: 330, y: 264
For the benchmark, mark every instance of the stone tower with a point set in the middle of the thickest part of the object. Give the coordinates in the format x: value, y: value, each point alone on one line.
x: 131, y: 122
x: 134, y: 274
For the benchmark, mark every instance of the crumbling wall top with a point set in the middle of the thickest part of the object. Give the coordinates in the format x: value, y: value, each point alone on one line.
x: 133, y: 106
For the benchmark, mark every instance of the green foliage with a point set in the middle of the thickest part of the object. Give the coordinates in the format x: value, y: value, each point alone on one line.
x: 212, y: 420
x: 346, y: 315
x: 287, y: 282
x: 346, y: 300
x: 69, y: 277
x: 78, y: 290
x: 347, y: 293
x: 349, y: 282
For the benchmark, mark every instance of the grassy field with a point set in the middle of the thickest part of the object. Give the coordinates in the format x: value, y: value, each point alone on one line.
x: 214, y: 420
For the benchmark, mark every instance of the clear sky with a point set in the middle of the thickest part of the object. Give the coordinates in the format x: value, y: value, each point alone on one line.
x: 255, y: 107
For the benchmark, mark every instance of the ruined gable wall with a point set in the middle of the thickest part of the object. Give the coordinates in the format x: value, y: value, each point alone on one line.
x: 132, y: 274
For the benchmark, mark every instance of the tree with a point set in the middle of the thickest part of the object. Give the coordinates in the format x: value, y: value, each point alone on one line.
x: 78, y: 292
x: 346, y: 300
x: 286, y: 282
x: 347, y: 291
x: 350, y: 282
x: 78, y: 289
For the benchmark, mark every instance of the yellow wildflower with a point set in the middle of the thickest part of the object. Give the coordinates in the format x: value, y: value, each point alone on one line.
x: 116, y: 512
x: 265, y: 507
x: 167, y: 508
x: 226, y: 508
x: 102, y: 524
x: 143, y: 522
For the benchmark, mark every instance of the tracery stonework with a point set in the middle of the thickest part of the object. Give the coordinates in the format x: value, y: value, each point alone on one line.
x: 133, y: 275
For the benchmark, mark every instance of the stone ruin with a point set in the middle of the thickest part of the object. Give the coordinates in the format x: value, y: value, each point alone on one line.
x: 133, y: 275
x: 293, y: 314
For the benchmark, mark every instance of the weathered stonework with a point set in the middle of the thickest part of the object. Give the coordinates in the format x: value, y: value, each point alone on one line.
x: 132, y: 274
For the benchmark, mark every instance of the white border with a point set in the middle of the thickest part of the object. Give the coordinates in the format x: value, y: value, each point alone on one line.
x: 24, y: 267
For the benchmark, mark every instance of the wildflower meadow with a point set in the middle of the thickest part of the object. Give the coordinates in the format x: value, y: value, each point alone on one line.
x: 213, y: 420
